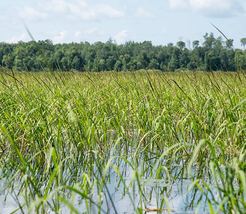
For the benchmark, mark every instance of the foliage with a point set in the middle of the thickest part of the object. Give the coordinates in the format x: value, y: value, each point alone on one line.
x: 64, y: 134
x: 214, y: 54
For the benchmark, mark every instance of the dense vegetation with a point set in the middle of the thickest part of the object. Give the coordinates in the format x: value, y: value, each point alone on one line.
x: 213, y: 54
x: 67, y: 134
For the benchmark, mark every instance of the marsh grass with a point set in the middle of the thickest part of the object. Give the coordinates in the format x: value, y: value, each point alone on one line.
x: 64, y: 135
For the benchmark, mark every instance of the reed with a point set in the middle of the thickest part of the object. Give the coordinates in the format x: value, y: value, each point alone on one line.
x: 66, y: 136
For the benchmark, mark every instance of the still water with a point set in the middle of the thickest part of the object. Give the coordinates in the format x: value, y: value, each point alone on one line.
x: 154, y: 190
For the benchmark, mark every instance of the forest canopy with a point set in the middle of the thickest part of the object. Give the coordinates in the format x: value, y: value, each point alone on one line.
x: 212, y: 54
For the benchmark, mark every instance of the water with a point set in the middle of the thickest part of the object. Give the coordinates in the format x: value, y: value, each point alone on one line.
x: 154, y: 191
x: 173, y: 186
x: 7, y: 206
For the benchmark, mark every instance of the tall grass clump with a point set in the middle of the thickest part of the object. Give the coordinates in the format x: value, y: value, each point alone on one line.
x: 65, y: 137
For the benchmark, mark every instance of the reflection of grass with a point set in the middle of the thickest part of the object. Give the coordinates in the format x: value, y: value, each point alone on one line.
x: 64, y: 134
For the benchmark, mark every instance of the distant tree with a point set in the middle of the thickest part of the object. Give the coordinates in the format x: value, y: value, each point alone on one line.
x: 209, y: 40
x: 195, y: 44
x: 240, y: 59
x: 217, y: 46
x: 188, y: 44
x: 227, y: 60
x: 110, y: 41
x: 76, y: 63
x: 214, y: 54
x: 154, y: 64
x: 243, y: 42
x: 66, y: 63
x: 110, y: 63
x: 18, y: 64
x: 212, y: 62
x: 181, y: 45
x: 140, y: 63
x: 118, y: 65
x: 229, y: 43
x: 174, y: 62
x: 102, y: 65
x: 184, y: 59
x: 5, y: 61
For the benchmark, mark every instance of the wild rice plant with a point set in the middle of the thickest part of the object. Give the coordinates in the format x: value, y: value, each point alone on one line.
x: 64, y: 137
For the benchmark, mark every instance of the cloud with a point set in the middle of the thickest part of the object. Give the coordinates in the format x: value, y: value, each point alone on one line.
x: 8, y: 19
x: 94, y: 30
x: 60, y: 38
x: 120, y: 38
x: 56, y: 6
x: 210, y: 8
x: 218, y: 8
x: 81, y: 10
x: 178, y: 4
x: 31, y: 14
x: 209, y: 4
x: 51, y: 33
x: 78, y: 34
x: 90, y: 32
x: 22, y: 37
x: 108, y: 11
x: 142, y: 14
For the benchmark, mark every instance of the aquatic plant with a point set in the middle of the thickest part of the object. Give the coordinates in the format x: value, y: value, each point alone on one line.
x: 65, y: 137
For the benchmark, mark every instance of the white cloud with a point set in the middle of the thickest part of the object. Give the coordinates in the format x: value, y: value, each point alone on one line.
x: 77, y: 34
x: 90, y: 32
x: 56, y: 6
x: 120, y: 38
x: 210, y: 8
x: 31, y: 14
x: 218, y: 8
x: 60, y: 38
x: 9, y: 18
x: 51, y: 33
x: 178, y: 4
x: 210, y: 4
x: 94, y: 30
x: 142, y: 14
x: 81, y: 10
x: 22, y: 37
x: 108, y: 11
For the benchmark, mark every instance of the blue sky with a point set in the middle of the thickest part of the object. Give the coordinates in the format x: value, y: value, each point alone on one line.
x: 159, y: 21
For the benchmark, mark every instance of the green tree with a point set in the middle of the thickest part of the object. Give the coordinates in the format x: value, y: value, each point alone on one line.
x: 209, y: 40
x: 181, y: 45
x: 174, y: 62
x: 102, y: 65
x: 76, y: 63
x: 243, y: 42
x: 240, y: 59
x: 184, y: 59
x: 110, y: 62
x: 118, y: 65
x: 18, y: 64
x: 229, y: 44
x: 195, y: 44
x: 212, y: 62
x: 66, y: 63
x: 154, y: 64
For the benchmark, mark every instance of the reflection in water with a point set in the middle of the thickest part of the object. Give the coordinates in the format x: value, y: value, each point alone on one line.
x: 146, y: 180
x: 152, y: 197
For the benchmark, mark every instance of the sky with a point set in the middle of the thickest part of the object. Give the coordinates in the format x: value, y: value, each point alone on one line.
x: 159, y: 21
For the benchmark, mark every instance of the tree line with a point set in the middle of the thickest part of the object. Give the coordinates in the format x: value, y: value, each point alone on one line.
x: 212, y: 54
